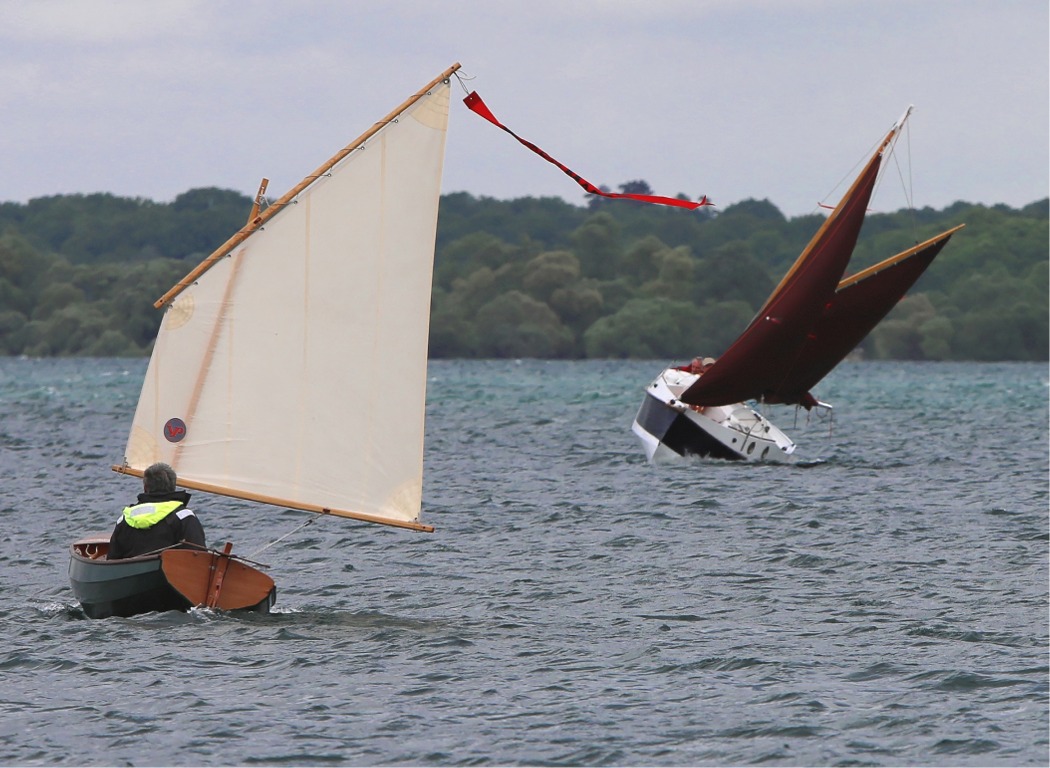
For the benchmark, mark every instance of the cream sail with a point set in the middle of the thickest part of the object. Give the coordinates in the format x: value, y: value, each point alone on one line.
x: 290, y: 367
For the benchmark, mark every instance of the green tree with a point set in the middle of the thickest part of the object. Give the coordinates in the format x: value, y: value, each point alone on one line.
x: 12, y: 325
x: 936, y: 336
x: 596, y: 244
x: 468, y: 254
x: 516, y: 325
x: 732, y: 273
x: 578, y: 305
x: 112, y: 343
x: 901, y: 336
x: 100, y: 261
x: 675, y: 280
x: 641, y: 261
x: 55, y: 297
x: 719, y: 324
x: 550, y: 271
x: 643, y: 328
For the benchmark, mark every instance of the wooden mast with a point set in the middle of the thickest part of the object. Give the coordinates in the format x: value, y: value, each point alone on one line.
x: 258, y: 201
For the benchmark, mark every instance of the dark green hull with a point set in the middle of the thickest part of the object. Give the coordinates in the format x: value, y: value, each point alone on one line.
x: 125, y: 587
x: 122, y: 587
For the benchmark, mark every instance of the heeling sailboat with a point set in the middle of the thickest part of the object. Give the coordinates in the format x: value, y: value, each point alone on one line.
x: 810, y: 322
x: 290, y: 366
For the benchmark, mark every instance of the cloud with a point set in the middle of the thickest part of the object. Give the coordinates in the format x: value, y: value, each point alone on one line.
x: 732, y: 99
x: 102, y: 21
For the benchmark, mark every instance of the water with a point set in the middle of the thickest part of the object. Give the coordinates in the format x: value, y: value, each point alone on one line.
x: 884, y: 605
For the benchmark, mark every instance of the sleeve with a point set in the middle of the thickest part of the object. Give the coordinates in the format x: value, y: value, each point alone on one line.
x: 192, y: 530
x: 115, y: 551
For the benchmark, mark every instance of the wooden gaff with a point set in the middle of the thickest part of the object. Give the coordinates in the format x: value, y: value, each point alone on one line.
x: 262, y: 218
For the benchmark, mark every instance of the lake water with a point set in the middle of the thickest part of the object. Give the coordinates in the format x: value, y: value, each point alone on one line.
x: 885, y: 604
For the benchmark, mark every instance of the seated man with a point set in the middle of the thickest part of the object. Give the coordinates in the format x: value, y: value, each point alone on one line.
x: 159, y: 520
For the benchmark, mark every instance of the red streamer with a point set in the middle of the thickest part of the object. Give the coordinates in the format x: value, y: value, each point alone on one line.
x: 476, y: 105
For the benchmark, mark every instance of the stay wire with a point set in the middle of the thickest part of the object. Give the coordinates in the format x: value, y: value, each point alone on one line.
x: 311, y: 521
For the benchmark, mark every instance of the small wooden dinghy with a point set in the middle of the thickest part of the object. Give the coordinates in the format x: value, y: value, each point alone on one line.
x: 172, y: 580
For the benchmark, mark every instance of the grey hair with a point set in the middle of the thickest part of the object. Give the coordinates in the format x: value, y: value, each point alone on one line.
x: 158, y: 478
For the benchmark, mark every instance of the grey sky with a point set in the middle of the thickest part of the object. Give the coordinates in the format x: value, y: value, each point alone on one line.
x: 736, y: 99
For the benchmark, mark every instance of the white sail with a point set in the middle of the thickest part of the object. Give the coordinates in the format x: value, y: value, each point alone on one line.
x: 296, y: 364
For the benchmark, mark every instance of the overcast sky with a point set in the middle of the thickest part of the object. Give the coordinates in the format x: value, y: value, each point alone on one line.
x: 735, y: 99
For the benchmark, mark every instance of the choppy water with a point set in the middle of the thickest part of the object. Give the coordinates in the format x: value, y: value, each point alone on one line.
x: 886, y: 606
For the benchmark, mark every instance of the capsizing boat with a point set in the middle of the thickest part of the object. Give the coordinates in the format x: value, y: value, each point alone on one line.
x: 812, y: 320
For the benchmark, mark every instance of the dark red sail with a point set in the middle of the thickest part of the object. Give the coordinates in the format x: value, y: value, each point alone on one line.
x: 858, y: 305
x: 754, y: 366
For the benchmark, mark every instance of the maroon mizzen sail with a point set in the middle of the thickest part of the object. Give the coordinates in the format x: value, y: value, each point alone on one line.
x: 859, y: 304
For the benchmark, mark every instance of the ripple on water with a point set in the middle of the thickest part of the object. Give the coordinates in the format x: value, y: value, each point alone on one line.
x: 883, y: 604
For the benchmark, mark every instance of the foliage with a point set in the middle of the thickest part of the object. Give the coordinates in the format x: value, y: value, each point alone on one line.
x: 540, y: 277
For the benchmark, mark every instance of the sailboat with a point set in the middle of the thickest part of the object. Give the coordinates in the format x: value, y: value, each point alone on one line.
x: 290, y: 365
x: 808, y: 325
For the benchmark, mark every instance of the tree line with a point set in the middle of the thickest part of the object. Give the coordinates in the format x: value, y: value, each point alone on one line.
x: 541, y: 277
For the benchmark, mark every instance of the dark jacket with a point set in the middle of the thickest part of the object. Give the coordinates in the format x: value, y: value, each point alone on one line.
x: 180, y: 525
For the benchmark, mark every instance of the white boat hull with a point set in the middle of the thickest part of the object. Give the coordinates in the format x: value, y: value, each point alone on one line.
x: 671, y: 429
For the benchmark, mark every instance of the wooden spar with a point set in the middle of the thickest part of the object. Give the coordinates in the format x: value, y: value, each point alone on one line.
x: 833, y: 216
x: 876, y: 268
x: 258, y: 201
x: 255, y: 224
x: 275, y: 502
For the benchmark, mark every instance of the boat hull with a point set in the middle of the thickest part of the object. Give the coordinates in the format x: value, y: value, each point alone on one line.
x: 670, y: 429
x: 138, y: 585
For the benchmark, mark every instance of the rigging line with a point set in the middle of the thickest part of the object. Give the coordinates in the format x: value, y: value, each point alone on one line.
x: 904, y: 183
x: 907, y: 146
x: 460, y: 78
x: 900, y: 173
x: 864, y: 158
x: 909, y: 185
x: 838, y: 184
x: 282, y: 538
x: 890, y: 152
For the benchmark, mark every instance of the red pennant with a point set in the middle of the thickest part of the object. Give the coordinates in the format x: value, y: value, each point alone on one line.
x: 476, y: 105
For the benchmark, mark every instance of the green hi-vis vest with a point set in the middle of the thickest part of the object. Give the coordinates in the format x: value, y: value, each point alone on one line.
x: 148, y: 515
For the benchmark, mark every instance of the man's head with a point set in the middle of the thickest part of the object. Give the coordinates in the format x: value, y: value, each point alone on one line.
x: 158, y: 478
